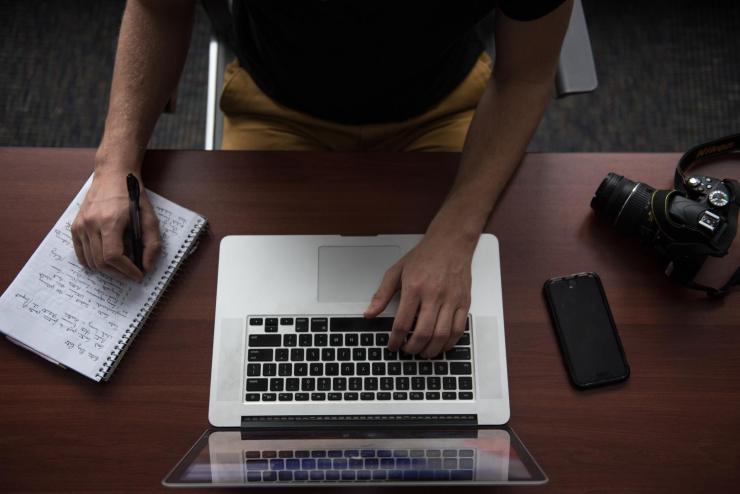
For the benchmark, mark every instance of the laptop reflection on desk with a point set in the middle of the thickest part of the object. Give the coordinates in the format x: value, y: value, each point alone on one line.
x: 490, y: 456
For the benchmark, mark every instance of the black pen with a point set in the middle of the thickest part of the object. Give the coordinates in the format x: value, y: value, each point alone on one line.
x: 133, y: 210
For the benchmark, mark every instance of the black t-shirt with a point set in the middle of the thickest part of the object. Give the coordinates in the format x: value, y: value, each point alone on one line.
x: 363, y: 62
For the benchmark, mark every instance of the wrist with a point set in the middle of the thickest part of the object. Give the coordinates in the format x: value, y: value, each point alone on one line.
x: 110, y: 159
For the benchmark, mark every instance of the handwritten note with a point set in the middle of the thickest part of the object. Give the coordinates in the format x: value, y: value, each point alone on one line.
x: 78, y: 317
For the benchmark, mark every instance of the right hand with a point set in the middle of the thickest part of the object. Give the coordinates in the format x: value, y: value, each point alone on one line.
x: 98, y: 229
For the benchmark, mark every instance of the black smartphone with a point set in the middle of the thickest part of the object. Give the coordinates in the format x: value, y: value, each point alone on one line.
x: 586, y: 331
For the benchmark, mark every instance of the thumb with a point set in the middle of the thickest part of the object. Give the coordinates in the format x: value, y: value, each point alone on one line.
x: 150, y: 236
x: 388, y: 287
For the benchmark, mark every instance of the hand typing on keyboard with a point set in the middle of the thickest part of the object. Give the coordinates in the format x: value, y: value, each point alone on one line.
x: 434, y: 279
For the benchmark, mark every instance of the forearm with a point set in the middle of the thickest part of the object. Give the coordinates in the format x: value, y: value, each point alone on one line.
x: 505, y: 120
x: 152, y: 47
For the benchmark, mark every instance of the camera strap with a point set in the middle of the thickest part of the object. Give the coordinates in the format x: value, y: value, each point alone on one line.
x: 682, y: 269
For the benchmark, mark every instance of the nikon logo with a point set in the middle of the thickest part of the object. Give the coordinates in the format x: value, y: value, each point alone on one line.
x: 714, y: 149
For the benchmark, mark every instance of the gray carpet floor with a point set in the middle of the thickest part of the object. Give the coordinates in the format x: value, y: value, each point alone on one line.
x: 669, y: 75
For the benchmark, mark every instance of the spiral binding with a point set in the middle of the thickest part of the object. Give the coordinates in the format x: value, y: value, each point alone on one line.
x: 123, y: 344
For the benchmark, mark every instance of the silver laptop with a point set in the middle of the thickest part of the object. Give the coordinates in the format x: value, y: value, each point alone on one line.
x: 305, y: 391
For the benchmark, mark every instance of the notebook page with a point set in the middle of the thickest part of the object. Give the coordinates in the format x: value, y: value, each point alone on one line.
x: 73, y: 315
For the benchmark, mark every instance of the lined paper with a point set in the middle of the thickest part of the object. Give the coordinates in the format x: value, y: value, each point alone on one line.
x: 77, y: 317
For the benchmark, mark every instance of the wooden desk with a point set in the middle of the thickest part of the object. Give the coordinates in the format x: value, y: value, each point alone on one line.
x: 674, y: 426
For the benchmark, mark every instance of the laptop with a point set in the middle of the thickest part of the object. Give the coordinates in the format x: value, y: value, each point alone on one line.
x: 305, y: 392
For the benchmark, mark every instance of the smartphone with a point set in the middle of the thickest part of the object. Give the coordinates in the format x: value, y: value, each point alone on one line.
x: 586, y: 331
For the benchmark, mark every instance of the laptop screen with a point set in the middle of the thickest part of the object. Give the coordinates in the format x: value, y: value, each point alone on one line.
x: 230, y: 458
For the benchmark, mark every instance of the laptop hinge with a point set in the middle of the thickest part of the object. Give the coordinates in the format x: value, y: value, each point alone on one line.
x: 328, y: 422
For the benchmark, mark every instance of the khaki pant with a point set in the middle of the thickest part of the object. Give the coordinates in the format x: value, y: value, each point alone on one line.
x: 253, y: 121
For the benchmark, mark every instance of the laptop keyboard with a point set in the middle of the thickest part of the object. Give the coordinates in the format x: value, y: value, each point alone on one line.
x: 359, y: 464
x: 346, y: 359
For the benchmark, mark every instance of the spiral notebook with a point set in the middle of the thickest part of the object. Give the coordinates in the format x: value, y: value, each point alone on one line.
x: 86, y: 320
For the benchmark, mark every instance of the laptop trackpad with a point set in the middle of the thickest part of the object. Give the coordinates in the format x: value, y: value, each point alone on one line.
x: 353, y: 273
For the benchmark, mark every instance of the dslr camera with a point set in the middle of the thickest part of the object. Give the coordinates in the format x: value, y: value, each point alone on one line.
x: 685, y: 225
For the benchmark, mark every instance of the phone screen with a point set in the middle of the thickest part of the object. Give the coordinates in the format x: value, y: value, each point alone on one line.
x: 588, y: 337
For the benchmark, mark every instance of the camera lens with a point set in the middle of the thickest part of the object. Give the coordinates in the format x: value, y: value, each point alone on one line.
x: 622, y: 201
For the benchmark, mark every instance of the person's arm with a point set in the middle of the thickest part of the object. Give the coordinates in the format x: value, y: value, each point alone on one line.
x: 152, y: 46
x: 434, y: 277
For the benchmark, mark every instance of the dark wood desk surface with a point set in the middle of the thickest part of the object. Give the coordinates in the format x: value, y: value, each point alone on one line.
x: 674, y: 426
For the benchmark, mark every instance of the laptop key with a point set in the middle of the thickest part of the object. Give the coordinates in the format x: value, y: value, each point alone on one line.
x: 386, y: 383
x: 269, y: 396
x: 286, y: 321
x: 359, y: 354
x: 289, y: 340
x: 378, y: 368
x: 400, y: 395
x: 449, y: 383
x: 458, y: 368
x: 281, y: 354
x: 344, y: 354
x: 432, y: 395
x: 271, y: 329
x: 336, y: 339
x: 366, y: 339
x: 269, y: 370
x: 300, y: 475
x: 323, y: 384
x: 319, y: 324
x: 316, y: 369
x: 355, y: 383
x: 318, y: 396
x: 334, y: 396
x: 394, y: 368
x: 339, y: 383
x: 416, y: 395
x: 348, y: 369
x: 409, y: 368
x: 465, y: 383
x: 352, y: 339
x: 417, y: 383
x: 464, y: 340
x: 328, y: 354
x: 292, y: 384
x: 381, y: 339
x: 402, y: 383
x: 256, y: 384
x: 426, y: 368
x: 308, y: 384
x: 449, y: 395
x: 276, y: 384
x: 301, y: 324
x: 296, y: 354
x: 253, y: 369
x: 264, y: 340
x: 301, y: 396
x: 363, y: 369
x: 388, y: 355
x: 285, y: 397
x: 458, y: 353
x: 375, y: 353
x: 350, y: 396
x: 433, y: 382
x: 357, y: 324
x: 320, y: 340
x: 371, y: 383
x: 313, y: 354
x: 271, y: 321
x: 440, y: 368
x: 252, y: 397
x: 300, y: 369
x: 465, y: 395
x: 305, y: 340
x: 367, y: 396
x: 285, y: 370
x: 255, y: 321
x: 259, y: 355
x: 316, y: 474
x: 383, y: 395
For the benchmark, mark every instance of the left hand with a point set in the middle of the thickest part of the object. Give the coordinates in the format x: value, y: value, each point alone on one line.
x: 434, y: 278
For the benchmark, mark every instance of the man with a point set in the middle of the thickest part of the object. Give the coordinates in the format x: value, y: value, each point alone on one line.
x: 344, y: 75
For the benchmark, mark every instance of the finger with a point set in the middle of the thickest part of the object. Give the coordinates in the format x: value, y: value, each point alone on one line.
x: 114, y: 257
x: 458, y: 327
x: 96, y: 250
x: 442, y: 332
x: 388, y: 287
x: 87, y: 254
x: 404, y: 319
x: 77, y: 243
x: 150, y: 237
x: 424, y: 328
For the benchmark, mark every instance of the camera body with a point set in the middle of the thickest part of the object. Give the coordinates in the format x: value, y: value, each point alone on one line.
x: 685, y: 225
